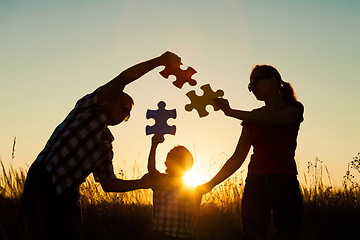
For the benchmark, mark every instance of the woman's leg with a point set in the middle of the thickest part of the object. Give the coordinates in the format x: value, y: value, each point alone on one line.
x: 255, y: 211
x: 287, y: 207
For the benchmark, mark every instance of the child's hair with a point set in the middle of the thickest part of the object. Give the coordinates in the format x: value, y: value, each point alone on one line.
x: 183, y: 157
x: 286, y: 90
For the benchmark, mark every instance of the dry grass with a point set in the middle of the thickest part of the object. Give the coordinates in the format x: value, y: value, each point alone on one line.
x: 329, y: 213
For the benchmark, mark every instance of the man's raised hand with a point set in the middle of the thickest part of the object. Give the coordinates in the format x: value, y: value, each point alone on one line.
x: 169, y: 58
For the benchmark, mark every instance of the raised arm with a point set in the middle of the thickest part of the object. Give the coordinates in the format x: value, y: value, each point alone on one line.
x: 156, y: 139
x: 112, y: 89
x: 282, y: 117
x: 233, y: 163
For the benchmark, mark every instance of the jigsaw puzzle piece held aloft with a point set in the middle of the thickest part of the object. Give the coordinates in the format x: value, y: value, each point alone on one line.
x: 182, y: 76
x: 200, y: 102
x: 160, y: 116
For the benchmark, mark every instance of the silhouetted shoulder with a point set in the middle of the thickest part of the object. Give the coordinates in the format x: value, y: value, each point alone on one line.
x: 158, y: 180
x: 89, y: 101
x: 298, y: 105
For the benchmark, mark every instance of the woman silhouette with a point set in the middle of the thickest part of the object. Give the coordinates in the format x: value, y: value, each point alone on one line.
x: 271, y: 183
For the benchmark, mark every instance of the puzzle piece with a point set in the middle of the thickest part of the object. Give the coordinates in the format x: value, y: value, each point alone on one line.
x: 182, y: 76
x: 161, y: 115
x: 200, y: 102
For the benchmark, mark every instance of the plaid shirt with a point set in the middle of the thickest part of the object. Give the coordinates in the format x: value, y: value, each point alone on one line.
x: 81, y: 144
x: 175, y: 207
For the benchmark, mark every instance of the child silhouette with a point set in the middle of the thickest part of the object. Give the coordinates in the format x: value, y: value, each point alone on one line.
x: 175, y: 204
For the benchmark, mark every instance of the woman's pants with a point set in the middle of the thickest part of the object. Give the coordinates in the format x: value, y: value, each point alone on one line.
x: 279, y: 194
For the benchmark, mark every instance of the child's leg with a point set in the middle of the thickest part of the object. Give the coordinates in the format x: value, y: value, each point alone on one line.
x: 156, y: 235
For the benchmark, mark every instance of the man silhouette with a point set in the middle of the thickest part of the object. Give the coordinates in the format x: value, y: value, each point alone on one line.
x: 79, y: 146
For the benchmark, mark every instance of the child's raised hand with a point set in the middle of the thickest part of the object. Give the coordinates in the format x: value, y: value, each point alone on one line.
x: 156, y: 139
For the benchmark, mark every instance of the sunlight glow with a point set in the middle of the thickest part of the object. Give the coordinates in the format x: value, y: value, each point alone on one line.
x: 192, y: 178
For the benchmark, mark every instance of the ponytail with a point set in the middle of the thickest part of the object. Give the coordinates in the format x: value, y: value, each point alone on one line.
x: 287, y: 92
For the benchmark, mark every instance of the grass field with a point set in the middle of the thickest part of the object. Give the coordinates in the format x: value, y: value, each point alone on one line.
x: 329, y: 213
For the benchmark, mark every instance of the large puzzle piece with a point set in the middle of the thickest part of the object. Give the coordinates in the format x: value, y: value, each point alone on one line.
x: 161, y: 115
x: 200, y: 102
x: 182, y: 76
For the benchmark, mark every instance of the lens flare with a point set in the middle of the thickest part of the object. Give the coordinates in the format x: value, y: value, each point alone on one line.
x: 192, y: 178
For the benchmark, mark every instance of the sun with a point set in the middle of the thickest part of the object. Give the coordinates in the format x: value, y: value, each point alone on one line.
x: 192, y: 178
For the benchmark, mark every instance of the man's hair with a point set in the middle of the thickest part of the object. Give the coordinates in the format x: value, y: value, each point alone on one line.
x: 127, y: 95
x: 183, y: 157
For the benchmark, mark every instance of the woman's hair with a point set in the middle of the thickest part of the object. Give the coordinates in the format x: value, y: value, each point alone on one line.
x: 286, y: 90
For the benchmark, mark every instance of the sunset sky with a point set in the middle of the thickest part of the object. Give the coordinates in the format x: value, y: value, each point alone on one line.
x: 54, y: 52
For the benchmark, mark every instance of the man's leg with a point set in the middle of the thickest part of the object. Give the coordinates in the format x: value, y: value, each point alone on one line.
x: 43, y: 213
x: 69, y: 218
x: 38, y: 198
